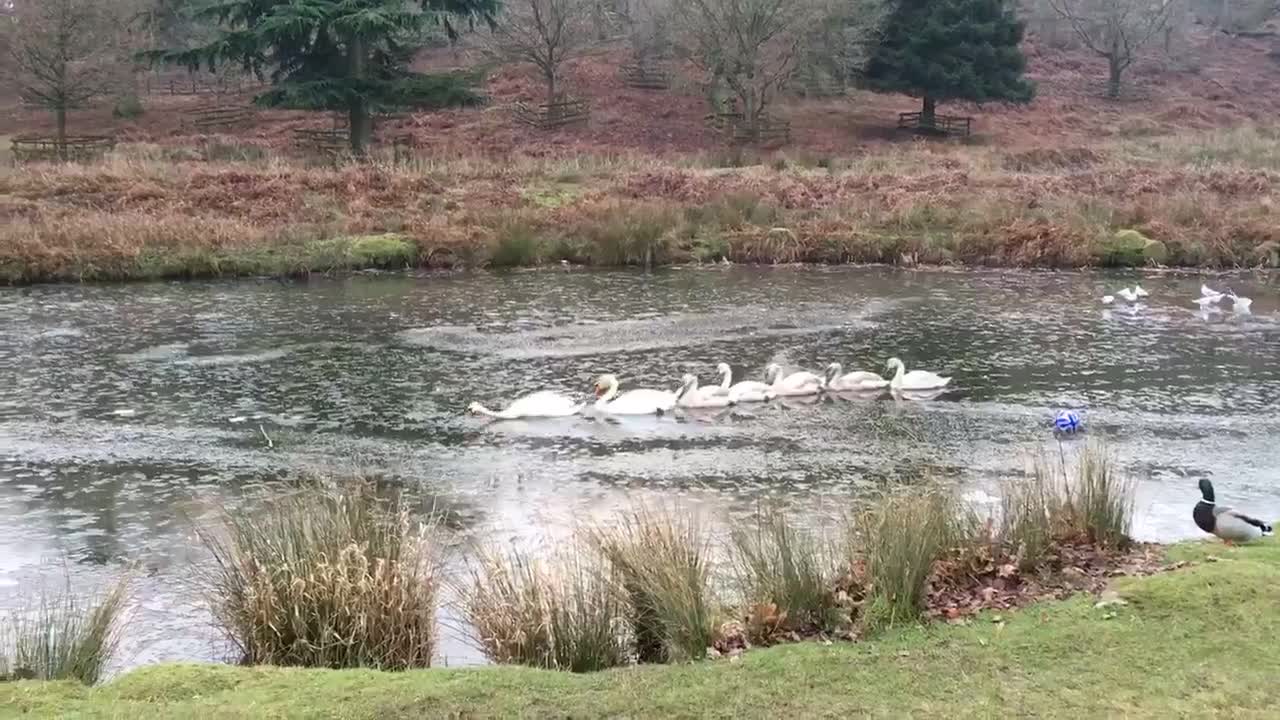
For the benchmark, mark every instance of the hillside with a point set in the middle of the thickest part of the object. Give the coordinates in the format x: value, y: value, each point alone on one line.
x: 1216, y: 81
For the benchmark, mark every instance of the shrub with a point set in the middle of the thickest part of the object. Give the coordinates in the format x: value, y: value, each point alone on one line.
x: 127, y: 107
x: 1055, y: 503
x: 515, y: 244
x: 67, y: 636
x: 1101, y: 500
x: 662, y: 564
x: 902, y: 537
x: 787, y: 569
x: 327, y: 576
x: 631, y: 234
x: 564, y: 617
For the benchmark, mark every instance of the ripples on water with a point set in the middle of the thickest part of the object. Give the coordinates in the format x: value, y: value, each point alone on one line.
x: 127, y: 410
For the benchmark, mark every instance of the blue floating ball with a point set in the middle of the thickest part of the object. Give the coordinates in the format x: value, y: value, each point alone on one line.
x: 1067, y: 421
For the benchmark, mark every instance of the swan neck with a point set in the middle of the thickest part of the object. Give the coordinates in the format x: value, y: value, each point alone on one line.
x: 487, y: 412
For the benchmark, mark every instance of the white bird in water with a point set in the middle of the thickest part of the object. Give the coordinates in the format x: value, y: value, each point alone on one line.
x: 544, y: 404
x: 745, y: 390
x: 914, y: 380
x: 708, y: 396
x: 1108, y: 299
x: 1138, y: 291
x: 1128, y: 294
x: 632, y: 402
x: 1240, y: 304
x: 796, y: 384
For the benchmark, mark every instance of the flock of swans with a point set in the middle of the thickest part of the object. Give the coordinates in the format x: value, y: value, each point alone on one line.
x: 690, y: 395
x: 1210, y: 300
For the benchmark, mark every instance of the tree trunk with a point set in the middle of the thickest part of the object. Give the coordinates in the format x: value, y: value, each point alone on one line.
x: 928, y: 113
x: 60, y: 113
x: 360, y: 121
x: 550, y: 76
x: 1113, y: 80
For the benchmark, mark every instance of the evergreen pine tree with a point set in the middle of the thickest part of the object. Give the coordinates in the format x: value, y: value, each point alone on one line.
x: 348, y: 55
x: 943, y: 50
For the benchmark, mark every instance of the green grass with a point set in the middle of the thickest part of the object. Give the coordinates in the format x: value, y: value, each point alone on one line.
x: 1198, y: 642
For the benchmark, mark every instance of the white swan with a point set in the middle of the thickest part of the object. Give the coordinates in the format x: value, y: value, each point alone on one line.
x: 857, y: 380
x: 543, y: 404
x: 1239, y: 304
x: 631, y: 402
x: 746, y: 390
x: 916, y: 379
x: 1139, y: 292
x: 1208, y: 292
x: 1108, y: 299
x: 1128, y: 294
x: 710, y: 396
x: 793, y: 385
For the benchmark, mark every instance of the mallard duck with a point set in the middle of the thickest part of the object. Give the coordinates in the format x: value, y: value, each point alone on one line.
x: 1228, y: 524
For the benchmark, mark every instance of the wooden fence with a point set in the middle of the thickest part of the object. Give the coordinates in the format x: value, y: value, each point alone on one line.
x: 218, y: 116
x: 957, y: 125
x: 768, y: 132
x: 645, y: 76
x: 77, y: 148
x: 547, y: 116
x: 322, y: 142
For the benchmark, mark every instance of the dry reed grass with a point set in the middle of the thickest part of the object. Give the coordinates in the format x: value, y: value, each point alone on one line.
x: 661, y: 561
x: 330, y: 575
x: 564, y: 615
x: 139, y: 214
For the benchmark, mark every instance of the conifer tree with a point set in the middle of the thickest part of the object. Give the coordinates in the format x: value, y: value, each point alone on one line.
x: 349, y: 55
x: 945, y: 50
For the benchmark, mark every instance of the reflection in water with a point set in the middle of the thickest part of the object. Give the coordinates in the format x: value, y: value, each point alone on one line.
x: 128, y: 413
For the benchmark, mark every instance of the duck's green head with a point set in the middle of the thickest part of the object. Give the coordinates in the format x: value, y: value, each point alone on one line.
x: 1206, y: 489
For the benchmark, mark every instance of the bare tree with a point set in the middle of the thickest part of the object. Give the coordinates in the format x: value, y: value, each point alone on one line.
x: 750, y: 45
x: 1115, y: 29
x: 544, y: 33
x: 61, y: 55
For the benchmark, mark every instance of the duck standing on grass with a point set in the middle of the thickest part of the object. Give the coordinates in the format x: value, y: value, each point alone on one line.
x: 1224, y: 522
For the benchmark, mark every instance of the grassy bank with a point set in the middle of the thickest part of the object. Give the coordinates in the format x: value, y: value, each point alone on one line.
x: 1202, y: 200
x: 1196, y: 641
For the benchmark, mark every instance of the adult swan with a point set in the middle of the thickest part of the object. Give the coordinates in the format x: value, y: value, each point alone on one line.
x: 916, y: 379
x: 631, y: 402
x: 856, y: 381
x: 543, y: 404
x: 794, y: 385
x: 744, y: 391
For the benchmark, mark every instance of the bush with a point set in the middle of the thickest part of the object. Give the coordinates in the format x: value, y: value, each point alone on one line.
x: 787, y: 571
x: 902, y: 537
x: 1101, y: 501
x: 1056, y: 503
x: 515, y: 244
x: 662, y: 564
x: 327, y: 576
x: 631, y: 234
x: 67, y: 636
x: 566, y: 617
x: 127, y: 107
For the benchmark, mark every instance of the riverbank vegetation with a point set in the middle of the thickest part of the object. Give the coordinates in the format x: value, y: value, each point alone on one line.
x: 63, y: 635
x: 1198, y: 641
x: 329, y: 575
x: 1201, y: 200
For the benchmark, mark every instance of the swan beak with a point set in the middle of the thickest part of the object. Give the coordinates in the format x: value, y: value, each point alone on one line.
x: 599, y: 390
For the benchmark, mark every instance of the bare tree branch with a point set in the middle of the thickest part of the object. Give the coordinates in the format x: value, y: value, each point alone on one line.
x: 1115, y: 29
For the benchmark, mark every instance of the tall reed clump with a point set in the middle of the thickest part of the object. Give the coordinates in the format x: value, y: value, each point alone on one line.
x: 327, y: 576
x: 785, y: 575
x: 1088, y: 502
x: 66, y: 636
x: 662, y: 564
x: 900, y: 539
x: 1101, y: 499
x: 565, y: 616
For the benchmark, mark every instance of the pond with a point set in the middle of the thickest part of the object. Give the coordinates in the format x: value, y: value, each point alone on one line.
x: 128, y: 413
